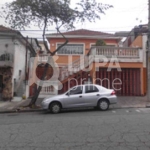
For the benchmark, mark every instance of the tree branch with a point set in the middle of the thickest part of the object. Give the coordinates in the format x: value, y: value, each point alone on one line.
x: 62, y: 44
x: 45, y: 25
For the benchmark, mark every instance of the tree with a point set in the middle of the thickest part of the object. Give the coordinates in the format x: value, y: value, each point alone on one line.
x: 100, y: 43
x: 43, y: 13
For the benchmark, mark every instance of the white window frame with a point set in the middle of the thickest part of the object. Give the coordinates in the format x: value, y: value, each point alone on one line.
x: 74, y: 44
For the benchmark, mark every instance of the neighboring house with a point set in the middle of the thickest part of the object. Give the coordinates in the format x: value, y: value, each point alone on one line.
x: 138, y: 38
x: 129, y: 81
x: 15, y: 52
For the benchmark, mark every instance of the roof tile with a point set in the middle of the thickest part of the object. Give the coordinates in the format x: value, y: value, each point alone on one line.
x: 3, y: 28
x: 84, y: 32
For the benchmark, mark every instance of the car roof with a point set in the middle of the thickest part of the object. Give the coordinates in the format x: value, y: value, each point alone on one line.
x: 90, y: 85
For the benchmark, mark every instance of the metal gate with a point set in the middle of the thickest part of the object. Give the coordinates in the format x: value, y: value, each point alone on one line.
x: 125, y: 82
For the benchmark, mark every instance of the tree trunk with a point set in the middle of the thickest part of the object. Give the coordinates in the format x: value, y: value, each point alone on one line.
x: 35, y: 97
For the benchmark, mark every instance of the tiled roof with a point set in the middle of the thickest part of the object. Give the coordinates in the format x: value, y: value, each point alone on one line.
x: 2, y: 28
x: 85, y: 32
x: 8, y: 30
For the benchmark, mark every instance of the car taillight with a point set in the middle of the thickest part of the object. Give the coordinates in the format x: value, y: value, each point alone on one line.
x: 113, y: 93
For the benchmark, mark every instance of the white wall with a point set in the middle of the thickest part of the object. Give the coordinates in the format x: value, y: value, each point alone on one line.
x: 19, y: 64
x: 6, y: 41
x: 18, y: 50
x: 19, y: 60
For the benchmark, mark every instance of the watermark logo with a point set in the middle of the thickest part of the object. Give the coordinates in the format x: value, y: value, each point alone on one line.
x: 84, y: 63
x: 53, y: 81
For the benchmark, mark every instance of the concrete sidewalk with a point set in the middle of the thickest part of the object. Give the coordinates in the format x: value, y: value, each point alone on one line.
x: 16, y: 104
x: 131, y: 102
x: 123, y: 102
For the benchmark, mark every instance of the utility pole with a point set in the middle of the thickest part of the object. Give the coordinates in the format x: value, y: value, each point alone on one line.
x: 148, y: 55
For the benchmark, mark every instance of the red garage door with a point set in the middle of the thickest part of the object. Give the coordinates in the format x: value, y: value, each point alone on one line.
x: 126, y: 82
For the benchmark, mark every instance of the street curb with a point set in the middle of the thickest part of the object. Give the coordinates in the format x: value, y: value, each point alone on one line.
x: 40, y: 110
x: 148, y: 105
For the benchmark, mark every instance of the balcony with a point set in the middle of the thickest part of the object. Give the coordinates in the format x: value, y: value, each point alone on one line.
x: 123, y: 54
x: 6, y: 60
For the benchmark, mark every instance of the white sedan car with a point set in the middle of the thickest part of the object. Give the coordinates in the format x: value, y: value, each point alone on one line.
x: 90, y: 95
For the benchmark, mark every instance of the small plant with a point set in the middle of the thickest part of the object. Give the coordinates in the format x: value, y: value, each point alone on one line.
x: 23, y: 97
x: 100, y: 43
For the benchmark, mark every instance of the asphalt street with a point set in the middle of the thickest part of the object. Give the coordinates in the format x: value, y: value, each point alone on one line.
x: 116, y: 129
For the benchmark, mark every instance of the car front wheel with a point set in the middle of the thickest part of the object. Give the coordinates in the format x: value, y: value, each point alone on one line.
x: 103, y: 104
x: 55, y: 108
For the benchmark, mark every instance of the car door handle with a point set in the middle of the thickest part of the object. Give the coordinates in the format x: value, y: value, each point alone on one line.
x: 80, y: 96
x: 98, y: 95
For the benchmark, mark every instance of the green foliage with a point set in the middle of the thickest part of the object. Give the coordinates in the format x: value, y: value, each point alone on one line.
x: 100, y: 43
x: 24, y: 13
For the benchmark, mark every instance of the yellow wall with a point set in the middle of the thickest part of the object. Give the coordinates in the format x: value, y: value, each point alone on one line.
x: 137, y: 42
x: 121, y: 64
x: 63, y: 59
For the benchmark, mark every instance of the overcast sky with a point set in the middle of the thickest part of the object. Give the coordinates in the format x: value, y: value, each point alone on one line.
x: 123, y: 17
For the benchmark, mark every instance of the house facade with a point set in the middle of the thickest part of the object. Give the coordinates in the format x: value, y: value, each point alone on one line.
x: 15, y: 52
x: 138, y: 38
x: 113, y: 66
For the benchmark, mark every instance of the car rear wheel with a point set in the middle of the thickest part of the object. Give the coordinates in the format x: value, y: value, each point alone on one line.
x: 55, y: 108
x: 103, y: 104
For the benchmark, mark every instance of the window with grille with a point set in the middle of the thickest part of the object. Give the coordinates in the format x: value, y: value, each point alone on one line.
x: 71, y: 49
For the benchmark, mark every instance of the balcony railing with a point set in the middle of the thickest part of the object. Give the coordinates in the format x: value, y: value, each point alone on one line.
x: 120, y: 52
x: 48, y: 88
x: 43, y: 58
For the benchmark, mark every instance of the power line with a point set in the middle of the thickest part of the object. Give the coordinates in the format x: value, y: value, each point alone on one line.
x: 120, y: 35
x: 121, y: 27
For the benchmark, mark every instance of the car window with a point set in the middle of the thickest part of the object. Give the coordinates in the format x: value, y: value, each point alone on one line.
x: 91, y: 89
x: 76, y: 90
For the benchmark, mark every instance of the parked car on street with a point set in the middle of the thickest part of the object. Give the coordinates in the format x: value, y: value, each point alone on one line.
x: 89, y: 95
